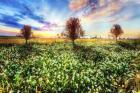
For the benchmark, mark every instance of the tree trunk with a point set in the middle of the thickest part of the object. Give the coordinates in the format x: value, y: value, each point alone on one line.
x: 116, y: 39
x: 73, y: 43
x: 26, y: 41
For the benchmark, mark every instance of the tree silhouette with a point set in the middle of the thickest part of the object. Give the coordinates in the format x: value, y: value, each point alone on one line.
x: 73, y: 29
x: 26, y: 32
x: 116, y: 30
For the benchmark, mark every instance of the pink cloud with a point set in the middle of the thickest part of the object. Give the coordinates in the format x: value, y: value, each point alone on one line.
x: 75, y: 5
x: 105, y: 10
x: 7, y: 33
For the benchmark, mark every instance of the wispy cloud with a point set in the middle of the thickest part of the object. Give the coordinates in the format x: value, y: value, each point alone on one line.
x: 37, y: 14
x: 51, y: 15
x: 75, y: 5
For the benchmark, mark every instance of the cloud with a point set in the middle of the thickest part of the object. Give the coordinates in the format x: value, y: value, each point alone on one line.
x: 7, y: 33
x: 75, y: 5
x: 126, y: 12
x: 105, y: 9
x: 51, y: 15
x: 30, y: 21
x: 111, y: 11
x: 44, y: 15
x: 9, y: 21
x: 16, y: 13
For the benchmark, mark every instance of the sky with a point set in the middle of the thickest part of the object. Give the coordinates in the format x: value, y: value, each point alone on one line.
x: 48, y: 17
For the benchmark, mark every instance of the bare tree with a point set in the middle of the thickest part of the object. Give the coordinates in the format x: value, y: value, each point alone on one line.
x: 116, y: 30
x: 73, y: 29
x: 26, y: 32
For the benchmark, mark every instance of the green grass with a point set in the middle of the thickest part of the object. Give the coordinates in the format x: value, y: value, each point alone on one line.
x: 58, y: 67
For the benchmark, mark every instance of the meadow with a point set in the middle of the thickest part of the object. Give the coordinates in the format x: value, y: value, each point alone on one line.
x: 19, y: 40
x: 55, y: 66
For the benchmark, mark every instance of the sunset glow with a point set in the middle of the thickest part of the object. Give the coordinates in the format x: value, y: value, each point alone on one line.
x: 48, y: 17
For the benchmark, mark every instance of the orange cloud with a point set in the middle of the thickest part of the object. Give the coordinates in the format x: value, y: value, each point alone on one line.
x: 77, y: 4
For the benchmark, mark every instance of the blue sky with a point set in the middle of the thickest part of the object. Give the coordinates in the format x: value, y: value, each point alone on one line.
x: 49, y: 16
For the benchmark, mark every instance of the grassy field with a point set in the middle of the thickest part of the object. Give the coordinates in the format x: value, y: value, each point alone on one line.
x: 93, y: 65
x: 19, y: 40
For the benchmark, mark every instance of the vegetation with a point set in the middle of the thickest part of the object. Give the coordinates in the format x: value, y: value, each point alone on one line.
x: 116, y: 31
x: 26, y: 32
x: 73, y: 29
x: 57, y: 67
